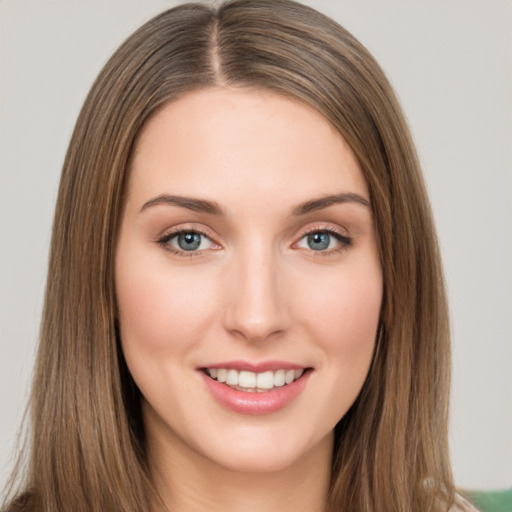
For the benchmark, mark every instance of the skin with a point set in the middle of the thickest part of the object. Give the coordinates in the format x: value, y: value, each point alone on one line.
x: 255, y: 291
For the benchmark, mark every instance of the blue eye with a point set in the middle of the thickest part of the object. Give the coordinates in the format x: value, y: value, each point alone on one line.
x: 318, y: 241
x: 324, y: 241
x: 185, y: 241
x: 188, y: 241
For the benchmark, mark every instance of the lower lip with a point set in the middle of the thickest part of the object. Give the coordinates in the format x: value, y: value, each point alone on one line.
x: 257, y: 404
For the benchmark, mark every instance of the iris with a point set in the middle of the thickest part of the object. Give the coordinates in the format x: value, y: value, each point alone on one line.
x: 189, y: 241
x: 318, y: 241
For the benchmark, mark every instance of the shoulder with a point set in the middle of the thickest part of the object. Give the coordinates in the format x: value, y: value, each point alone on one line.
x: 462, y: 505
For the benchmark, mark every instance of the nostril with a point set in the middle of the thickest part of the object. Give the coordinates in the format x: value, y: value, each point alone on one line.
x: 257, y: 335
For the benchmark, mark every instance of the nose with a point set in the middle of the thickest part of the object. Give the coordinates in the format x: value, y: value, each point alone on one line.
x: 257, y: 307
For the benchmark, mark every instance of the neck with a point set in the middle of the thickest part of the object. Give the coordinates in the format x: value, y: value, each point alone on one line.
x: 188, y: 482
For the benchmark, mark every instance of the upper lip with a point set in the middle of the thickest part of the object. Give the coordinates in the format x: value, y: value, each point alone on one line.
x: 263, y: 366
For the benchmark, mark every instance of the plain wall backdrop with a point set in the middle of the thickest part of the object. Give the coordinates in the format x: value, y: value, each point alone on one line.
x: 450, y: 62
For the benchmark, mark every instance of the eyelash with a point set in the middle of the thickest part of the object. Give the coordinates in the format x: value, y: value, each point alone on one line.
x: 344, y: 241
x: 164, y: 242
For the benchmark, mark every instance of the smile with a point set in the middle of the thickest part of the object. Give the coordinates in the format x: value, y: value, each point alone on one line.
x: 255, y: 389
x: 252, y: 382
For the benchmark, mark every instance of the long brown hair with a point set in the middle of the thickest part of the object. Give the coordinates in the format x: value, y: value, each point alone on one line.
x: 87, y: 448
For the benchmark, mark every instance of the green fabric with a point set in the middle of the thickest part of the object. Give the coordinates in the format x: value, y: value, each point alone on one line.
x: 492, y: 501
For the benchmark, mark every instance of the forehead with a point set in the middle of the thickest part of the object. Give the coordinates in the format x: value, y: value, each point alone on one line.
x: 237, y: 142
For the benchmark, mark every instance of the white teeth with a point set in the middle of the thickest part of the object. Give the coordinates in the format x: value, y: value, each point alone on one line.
x: 265, y: 380
x: 247, y: 380
x: 232, y: 378
x: 250, y: 381
x: 279, y: 378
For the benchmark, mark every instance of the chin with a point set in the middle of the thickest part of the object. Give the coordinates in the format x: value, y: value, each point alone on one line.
x: 259, y: 462
x: 270, y: 454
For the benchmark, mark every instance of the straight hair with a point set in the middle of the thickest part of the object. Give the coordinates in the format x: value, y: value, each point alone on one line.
x: 87, y: 447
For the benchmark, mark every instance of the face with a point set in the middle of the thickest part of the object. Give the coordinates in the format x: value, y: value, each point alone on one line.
x: 248, y: 279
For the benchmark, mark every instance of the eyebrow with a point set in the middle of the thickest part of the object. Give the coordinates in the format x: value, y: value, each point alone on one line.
x: 213, y: 208
x: 325, y: 201
x: 190, y: 203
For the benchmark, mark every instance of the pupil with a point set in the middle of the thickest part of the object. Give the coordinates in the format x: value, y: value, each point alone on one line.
x: 189, y: 241
x: 318, y: 241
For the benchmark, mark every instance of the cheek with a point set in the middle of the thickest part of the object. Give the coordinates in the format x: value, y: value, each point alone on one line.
x: 342, y: 317
x: 345, y: 309
x: 162, y: 313
x: 340, y: 311
x: 160, y: 309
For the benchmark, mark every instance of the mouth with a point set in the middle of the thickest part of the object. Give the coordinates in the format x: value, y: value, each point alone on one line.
x: 255, y: 382
x: 255, y: 388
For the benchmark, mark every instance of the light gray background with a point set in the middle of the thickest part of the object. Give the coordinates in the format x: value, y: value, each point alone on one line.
x: 451, y: 64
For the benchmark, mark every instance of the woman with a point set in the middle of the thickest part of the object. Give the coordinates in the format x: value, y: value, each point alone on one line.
x: 245, y: 304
